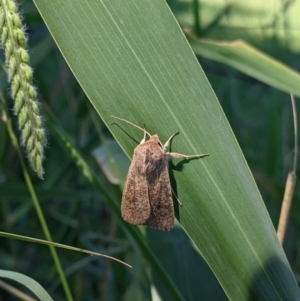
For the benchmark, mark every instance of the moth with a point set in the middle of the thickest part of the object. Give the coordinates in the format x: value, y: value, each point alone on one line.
x: 147, y: 195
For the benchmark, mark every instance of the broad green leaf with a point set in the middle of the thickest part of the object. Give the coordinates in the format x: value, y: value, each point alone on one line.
x: 133, y: 61
x: 28, y: 282
x: 251, y: 61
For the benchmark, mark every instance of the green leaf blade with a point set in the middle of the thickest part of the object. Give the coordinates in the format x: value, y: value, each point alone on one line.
x: 251, y: 61
x: 133, y: 62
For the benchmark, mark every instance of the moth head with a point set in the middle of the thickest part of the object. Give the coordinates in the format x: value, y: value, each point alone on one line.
x: 152, y: 139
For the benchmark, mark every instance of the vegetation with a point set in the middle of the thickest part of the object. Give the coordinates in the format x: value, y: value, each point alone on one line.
x: 95, y: 59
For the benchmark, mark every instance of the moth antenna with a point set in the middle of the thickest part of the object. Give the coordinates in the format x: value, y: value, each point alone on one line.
x: 144, y: 130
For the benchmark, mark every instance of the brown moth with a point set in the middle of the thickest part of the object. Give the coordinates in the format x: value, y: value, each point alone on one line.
x: 147, y: 196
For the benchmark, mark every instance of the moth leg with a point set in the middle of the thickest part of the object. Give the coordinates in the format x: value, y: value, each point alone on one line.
x: 187, y: 157
x: 176, y: 197
x: 166, y: 145
x: 180, y: 156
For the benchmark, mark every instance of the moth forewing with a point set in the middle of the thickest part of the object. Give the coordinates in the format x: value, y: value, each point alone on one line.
x: 135, y: 206
x: 159, y: 187
x: 160, y: 194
